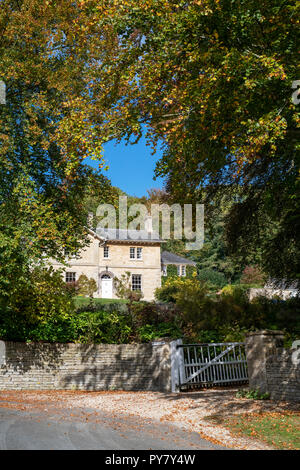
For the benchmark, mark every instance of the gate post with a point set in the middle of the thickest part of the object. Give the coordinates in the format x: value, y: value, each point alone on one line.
x: 259, y: 346
x: 177, y: 365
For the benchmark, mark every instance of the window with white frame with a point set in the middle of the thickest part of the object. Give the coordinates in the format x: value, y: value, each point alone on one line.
x: 181, y: 270
x: 136, y: 253
x: 70, y: 277
x: 136, y: 282
x: 105, y: 252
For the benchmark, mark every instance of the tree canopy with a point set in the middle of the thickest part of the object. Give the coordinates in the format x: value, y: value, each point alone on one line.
x: 213, y: 82
x: 46, y: 132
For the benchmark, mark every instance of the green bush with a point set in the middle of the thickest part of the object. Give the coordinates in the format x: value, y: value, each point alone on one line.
x: 148, y: 333
x: 238, y: 292
x: 167, y: 292
x: 252, y: 394
x: 86, y: 286
x: 191, y: 272
x: 172, y: 270
x: 196, y: 316
x: 144, y: 313
x: 225, y: 334
x: 43, y: 296
x: 84, y: 305
x: 191, y: 299
x: 213, y: 278
x: 102, y: 327
x: 87, y: 327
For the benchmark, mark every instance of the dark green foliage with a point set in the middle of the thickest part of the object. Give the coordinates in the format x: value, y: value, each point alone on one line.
x: 150, y: 313
x: 214, y: 254
x: 214, y: 278
x: 123, y: 290
x: 228, y: 316
x: 97, y: 327
x: 41, y: 295
x: 171, y: 270
x: 161, y: 330
x: 86, y: 286
x: 109, y: 307
x: 219, y: 320
x: 252, y: 394
x: 167, y: 292
x: 190, y: 271
x: 100, y: 326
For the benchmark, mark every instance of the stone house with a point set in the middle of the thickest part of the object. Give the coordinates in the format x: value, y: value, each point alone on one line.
x: 181, y: 263
x: 113, y: 252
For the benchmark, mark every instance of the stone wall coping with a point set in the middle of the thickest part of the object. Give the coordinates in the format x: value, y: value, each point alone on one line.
x: 85, y: 345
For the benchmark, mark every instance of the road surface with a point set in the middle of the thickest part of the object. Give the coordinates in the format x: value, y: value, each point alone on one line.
x: 87, y: 429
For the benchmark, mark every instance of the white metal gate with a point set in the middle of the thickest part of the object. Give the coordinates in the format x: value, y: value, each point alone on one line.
x: 198, y: 365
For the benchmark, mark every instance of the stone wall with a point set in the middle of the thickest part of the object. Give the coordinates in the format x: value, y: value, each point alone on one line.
x: 270, y: 293
x: 45, y: 366
x: 283, y: 376
x: 271, y: 368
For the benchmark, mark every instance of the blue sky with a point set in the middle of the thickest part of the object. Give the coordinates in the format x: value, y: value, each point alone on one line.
x: 131, y: 167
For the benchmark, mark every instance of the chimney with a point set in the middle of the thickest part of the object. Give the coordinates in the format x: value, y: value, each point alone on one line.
x: 148, y: 224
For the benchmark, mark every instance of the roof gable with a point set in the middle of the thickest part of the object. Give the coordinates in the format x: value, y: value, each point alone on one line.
x: 170, y: 258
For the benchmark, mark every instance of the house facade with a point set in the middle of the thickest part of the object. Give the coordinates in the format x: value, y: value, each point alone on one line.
x: 181, y: 263
x: 113, y: 252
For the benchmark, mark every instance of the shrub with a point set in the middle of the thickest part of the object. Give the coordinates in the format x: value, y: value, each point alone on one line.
x: 161, y: 330
x: 124, y: 290
x: 253, y: 275
x: 191, y: 299
x: 213, y: 278
x: 191, y: 272
x: 172, y: 270
x: 93, y: 306
x: 44, y: 296
x: 238, y: 292
x: 86, y: 286
x: 221, y: 334
x: 252, y: 394
x: 102, y: 327
x: 144, y: 313
x: 167, y: 292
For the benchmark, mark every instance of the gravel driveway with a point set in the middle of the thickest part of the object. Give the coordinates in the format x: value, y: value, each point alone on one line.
x: 128, y: 420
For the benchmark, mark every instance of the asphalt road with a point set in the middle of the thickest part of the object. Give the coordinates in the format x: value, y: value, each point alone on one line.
x: 90, y: 430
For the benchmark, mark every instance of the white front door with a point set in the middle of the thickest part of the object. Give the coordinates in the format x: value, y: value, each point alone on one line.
x: 106, y: 285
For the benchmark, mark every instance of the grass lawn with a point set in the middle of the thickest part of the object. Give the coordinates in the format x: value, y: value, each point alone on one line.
x: 280, y: 430
x: 80, y: 301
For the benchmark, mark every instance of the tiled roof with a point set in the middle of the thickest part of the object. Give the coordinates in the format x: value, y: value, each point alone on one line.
x: 171, y: 258
x: 128, y: 235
